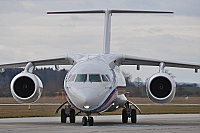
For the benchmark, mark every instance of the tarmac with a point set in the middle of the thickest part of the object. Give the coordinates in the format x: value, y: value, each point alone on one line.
x: 165, y: 123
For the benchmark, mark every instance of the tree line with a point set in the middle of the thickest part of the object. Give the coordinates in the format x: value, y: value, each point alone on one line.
x: 53, y: 82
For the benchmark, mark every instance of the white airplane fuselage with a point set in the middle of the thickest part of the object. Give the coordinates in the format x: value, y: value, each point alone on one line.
x: 92, y: 86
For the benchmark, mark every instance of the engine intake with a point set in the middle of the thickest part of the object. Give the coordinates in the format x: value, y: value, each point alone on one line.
x: 26, y: 87
x: 161, y: 88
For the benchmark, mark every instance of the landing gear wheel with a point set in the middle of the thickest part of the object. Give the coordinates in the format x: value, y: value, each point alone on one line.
x: 91, y: 121
x: 63, y: 116
x: 72, y: 116
x: 84, y: 121
x: 124, y: 116
x: 133, y: 116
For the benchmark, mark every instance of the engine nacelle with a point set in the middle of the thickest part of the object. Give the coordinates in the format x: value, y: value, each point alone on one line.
x: 161, y: 88
x: 26, y: 87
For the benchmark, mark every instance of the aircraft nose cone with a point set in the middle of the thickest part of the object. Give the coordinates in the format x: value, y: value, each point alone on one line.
x: 88, y: 98
x: 87, y: 94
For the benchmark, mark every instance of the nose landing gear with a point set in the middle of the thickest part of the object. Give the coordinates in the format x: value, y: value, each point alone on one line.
x: 88, y: 119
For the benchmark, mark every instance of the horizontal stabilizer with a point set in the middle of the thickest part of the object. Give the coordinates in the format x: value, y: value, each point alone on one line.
x: 103, y: 11
x: 71, y: 12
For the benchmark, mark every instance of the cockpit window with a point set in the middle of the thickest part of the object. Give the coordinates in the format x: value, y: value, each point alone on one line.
x: 71, y: 78
x: 94, y: 78
x: 104, y: 78
x: 81, y: 78
x: 108, y: 77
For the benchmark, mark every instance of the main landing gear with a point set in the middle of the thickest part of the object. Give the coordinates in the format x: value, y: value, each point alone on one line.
x: 68, y: 112
x: 127, y: 112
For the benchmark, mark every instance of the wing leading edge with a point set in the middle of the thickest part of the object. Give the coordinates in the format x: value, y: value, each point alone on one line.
x: 133, y: 60
x: 44, y: 62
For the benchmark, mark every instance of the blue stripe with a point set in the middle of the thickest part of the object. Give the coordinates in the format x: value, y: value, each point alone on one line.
x: 107, y: 99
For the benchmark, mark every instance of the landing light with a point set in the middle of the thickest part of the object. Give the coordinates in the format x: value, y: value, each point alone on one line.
x: 86, y: 107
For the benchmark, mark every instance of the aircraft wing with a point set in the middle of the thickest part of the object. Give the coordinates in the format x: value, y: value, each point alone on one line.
x: 43, y: 62
x: 133, y: 60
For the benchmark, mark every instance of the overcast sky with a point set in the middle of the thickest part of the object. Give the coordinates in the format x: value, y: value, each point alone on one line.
x: 26, y: 32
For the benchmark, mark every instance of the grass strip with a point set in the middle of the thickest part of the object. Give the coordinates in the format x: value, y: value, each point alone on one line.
x: 45, y: 111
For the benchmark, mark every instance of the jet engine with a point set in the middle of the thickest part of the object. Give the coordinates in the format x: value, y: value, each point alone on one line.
x: 26, y: 87
x: 161, y: 88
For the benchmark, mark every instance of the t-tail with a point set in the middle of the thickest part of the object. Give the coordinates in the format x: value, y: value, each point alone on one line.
x: 107, y: 24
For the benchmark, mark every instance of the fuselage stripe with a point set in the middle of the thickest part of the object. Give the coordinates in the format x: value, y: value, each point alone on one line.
x: 108, y: 99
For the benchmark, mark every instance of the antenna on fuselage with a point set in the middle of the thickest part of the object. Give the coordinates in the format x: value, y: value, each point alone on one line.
x: 107, y: 24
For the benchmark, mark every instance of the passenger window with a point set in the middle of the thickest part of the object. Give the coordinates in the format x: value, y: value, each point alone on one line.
x: 81, y: 78
x: 104, y: 78
x: 71, y: 79
x: 94, y: 78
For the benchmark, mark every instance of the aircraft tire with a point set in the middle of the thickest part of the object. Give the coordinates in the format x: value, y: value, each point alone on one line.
x: 72, y: 116
x: 133, y: 116
x: 63, y: 116
x: 91, y: 121
x: 124, y: 116
x: 84, y: 121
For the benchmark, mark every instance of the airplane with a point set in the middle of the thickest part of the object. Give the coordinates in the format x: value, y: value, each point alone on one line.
x: 93, y: 83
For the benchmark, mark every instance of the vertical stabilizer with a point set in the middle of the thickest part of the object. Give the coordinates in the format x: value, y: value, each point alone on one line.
x: 107, y: 32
